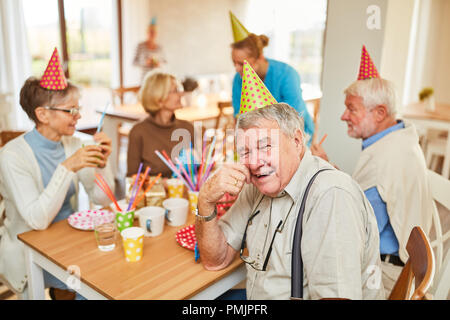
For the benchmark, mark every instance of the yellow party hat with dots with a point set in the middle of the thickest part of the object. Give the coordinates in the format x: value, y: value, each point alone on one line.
x: 254, y: 94
x: 239, y: 31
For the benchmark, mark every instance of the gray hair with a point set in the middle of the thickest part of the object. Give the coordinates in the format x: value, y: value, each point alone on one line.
x: 287, y: 118
x: 375, y: 92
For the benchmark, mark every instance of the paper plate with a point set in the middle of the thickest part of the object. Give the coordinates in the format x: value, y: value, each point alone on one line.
x: 83, y: 220
x: 186, y: 237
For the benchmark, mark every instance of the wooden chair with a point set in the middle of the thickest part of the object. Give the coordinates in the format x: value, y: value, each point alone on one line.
x: 120, y: 93
x: 6, y: 136
x: 316, y: 108
x: 230, y: 121
x: 119, y: 98
x: 420, y: 266
x: 440, y: 189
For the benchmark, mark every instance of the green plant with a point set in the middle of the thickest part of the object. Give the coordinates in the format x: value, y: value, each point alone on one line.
x: 425, y: 93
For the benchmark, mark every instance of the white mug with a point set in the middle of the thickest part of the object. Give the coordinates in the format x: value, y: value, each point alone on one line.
x: 151, y: 219
x: 176, y: 211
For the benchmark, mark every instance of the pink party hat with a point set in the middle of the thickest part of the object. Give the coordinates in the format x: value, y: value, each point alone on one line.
x: 254, y: 94
x: 367, y: 68
x: 53, y: 78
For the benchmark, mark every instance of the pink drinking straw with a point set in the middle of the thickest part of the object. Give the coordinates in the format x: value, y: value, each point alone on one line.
x: 174, y: 169
x: 147, y: 170
x: 135, y: 186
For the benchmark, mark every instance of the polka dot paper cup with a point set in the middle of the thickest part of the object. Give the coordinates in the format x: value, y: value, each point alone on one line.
x: 175, y: 188
x: 124, y: 219
x: 193, y: 200
x: 133, y: 243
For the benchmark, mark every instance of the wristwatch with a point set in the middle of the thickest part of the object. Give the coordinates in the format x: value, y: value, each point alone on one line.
x: 206, y: 218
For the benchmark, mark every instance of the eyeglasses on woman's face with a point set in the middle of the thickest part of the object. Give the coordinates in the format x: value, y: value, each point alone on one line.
x: 74, y: 110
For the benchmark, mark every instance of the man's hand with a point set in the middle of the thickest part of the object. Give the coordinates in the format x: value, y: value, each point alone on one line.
x: 230, y: 178
x: 317, y: 150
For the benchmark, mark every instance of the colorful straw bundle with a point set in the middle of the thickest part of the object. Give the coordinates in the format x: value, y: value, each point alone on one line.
x: 135, y: 191
x: 185, y: 168
x: 100, y: 181
x: 149, y: 187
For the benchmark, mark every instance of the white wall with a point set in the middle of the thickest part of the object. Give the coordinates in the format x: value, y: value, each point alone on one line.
x: 195, y: 34
x: 346, y: 33
x: 436, y: 66
x: 397, y: 40
x: 430, y: 49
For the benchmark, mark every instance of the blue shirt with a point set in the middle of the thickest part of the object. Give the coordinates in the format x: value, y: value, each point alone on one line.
x: 49, y: 154
x: 388, y: 240
x: 283, y: 82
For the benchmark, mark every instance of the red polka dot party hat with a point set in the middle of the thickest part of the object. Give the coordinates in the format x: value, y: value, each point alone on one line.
x: 53, y: 78
x: 367, y: 68
x: 254, y: 94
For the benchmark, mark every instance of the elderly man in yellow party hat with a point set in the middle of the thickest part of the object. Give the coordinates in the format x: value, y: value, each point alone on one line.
x: 303, y: 228
x: 391, y: 168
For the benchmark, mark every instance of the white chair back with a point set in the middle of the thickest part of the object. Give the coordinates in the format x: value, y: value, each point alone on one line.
x: 440, y: 189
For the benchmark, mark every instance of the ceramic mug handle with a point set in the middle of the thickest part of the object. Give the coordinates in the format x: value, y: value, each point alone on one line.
x: 166, y: 214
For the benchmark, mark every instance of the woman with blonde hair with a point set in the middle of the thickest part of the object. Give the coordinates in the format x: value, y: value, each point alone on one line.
x: 281, y: 79
x: 160, y: 96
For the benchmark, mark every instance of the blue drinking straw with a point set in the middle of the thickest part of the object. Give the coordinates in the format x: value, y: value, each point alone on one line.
x: 100, y: 124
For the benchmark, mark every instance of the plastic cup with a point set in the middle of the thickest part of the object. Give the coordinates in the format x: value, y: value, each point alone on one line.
x: 105, y: 234
x: 193, y: 200
x: 151, y: 219
x: 133, y: 243
x: 175, y: 188
x: 177, y: 209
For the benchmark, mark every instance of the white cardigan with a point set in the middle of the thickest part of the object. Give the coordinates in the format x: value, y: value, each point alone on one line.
x: 29, y: 206
x: 396, y: 166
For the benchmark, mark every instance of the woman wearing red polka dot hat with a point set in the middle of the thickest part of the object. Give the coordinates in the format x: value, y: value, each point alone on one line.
x: 40, y: 171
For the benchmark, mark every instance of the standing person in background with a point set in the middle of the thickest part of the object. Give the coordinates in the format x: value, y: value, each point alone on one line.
x: 281, y: 79
x: 149, y: 55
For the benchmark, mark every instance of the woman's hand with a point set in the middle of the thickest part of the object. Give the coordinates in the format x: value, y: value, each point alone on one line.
x: 105, y: 143
x: 230, y: 178
x: 91, y: 156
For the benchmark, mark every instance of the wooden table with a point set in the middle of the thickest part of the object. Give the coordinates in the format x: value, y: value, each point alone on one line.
x: 133, y: 113
x: 167, y: 270
x: 437, y: 119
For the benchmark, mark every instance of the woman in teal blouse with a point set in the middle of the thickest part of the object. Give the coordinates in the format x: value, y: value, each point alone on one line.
x: 281, y: 79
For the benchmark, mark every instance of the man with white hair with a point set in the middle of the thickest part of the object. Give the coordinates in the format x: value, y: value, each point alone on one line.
x: 391, y: 168
x: 296, y: 217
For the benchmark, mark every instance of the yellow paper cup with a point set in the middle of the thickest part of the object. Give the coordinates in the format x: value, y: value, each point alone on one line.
x: 133, y: 243
x: 175, y: 188
x: 193, y: 200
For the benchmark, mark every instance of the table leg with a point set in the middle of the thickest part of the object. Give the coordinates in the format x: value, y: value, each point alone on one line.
x: 222, y: 285
x: 446, y: 164
x: 36, y: 289
x: 110, y: 126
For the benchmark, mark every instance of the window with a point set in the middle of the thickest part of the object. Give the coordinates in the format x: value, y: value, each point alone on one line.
x: 87, y: 44
x: 41, y: 18
x: 296, y: 31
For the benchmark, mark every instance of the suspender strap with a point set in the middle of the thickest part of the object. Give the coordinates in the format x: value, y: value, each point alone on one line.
x: 297, y: 261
